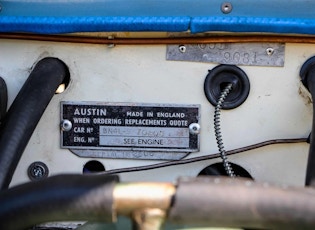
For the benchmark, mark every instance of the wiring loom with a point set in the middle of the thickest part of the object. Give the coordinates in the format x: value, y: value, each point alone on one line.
x: 207, y: 157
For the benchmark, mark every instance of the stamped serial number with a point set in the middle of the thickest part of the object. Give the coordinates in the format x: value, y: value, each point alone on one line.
x: 256, y: 54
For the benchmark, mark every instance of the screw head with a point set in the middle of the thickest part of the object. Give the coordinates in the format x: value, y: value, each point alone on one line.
x: 182, y: 48
x: 194, y: 128
x: 226, y: 7
x: 37, y: 170
x: 270, y: 51
x: 66, y: 125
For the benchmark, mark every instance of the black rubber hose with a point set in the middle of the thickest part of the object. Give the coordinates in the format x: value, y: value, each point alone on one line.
x: 307, y: 74
x: 25, y: 112
x: 58, y: 198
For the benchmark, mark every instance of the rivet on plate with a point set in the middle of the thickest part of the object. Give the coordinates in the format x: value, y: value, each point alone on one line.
x: 182, y: 48
x: 66, y: 125
x: 270, y: 51
x: 194, y: 128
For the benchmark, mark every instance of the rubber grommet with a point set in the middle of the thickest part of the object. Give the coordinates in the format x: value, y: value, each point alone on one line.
x: 219, y: 77
x: 217, y: 169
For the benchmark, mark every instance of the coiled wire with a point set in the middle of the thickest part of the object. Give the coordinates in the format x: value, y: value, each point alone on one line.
x: 217, y: 130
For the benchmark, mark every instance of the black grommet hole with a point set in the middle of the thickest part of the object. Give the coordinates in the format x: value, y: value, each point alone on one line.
x: 217, y: 169
x: 93, y: 167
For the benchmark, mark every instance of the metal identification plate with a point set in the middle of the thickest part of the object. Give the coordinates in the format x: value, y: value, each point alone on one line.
x: 252, y: 54
x: 119, y: 130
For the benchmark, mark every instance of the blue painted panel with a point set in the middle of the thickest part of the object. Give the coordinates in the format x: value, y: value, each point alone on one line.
x: 64, y: 16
